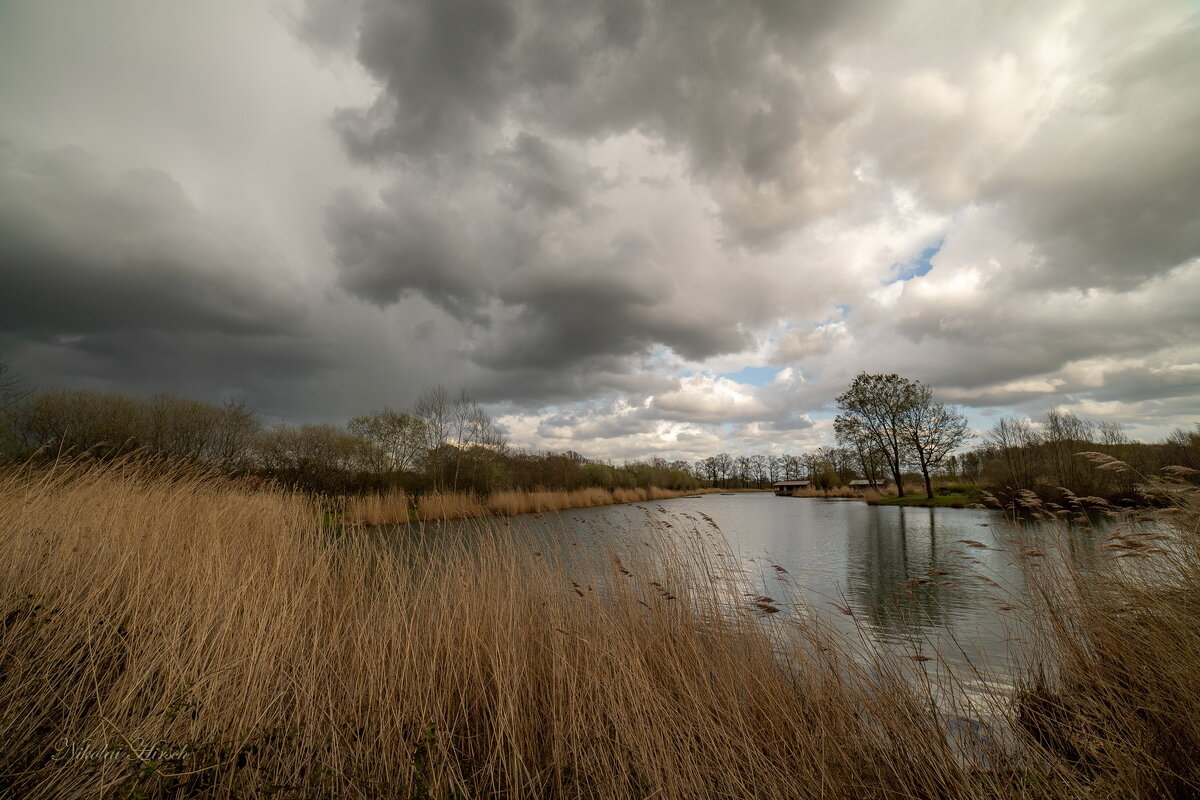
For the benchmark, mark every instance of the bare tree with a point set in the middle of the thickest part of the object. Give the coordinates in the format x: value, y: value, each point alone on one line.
x: 13, y: 392
x: 875, y: 408
x: 316, y: 456
x: 13, y: 389
x: 793, y: 468
x: 399, y: 438
x: 724, y: 467
x: 455, y: 429
x: 933, y: 431
x: 1063, y: 435
x: 742, y: 466
x: 869, y: 457
x: 758, y: 468
x: 238, y: 428
x: 710, y: 468
x: 433, y: 409
x: 775, y: 467
x: 1015, y: 441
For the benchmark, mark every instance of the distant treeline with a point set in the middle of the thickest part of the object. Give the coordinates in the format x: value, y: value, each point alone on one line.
x: 893, y: 424
x: 1043, y: 457
x: 444, y: 443
x: 826, y: 467
x: 449, y: 443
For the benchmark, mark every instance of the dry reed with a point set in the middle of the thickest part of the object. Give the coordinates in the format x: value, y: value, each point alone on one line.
x: 377, y: 509
x: 449, y: 505
x: 841, y: 491
x: 265, y: 657
x: 463, y: 505
x: 1115, y: 694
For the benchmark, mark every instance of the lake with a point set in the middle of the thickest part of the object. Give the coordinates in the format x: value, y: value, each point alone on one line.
x: 937, y: 582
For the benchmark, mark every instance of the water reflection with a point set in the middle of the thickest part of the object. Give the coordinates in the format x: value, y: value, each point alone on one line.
x: 892, y: 574
x: 921, y: 578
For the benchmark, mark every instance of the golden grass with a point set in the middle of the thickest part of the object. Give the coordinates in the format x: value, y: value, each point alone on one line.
x: 1116, y: 692
x: 394, y: 507
x: 841, y: 491
x: 520, y: 502
x: 226, y: 625
x: 377, y: 509
x: 269, y: 658
x: 448, y: 505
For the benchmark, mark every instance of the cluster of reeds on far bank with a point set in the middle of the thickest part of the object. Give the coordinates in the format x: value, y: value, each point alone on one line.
x: 397, y: 507
x: 173, y: 635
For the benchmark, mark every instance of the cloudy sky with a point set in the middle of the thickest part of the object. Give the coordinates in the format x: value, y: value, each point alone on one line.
x: 632, y: 228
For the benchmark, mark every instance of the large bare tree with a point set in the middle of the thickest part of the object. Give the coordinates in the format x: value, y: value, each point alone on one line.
x: 933, y: 431
x: 398, y: 438
x: 455, y: 430
x: 874, y: 409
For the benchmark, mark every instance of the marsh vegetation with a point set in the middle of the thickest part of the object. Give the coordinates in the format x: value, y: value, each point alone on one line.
x: 270, y: 659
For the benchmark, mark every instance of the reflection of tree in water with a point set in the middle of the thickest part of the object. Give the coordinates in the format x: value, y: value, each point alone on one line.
x: 891, y: 573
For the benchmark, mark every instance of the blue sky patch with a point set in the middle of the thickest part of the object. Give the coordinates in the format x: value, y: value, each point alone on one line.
x: 918, y: 266
x: 755, y: 376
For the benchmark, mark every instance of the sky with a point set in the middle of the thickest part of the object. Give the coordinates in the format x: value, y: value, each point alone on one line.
x: 631, y: 228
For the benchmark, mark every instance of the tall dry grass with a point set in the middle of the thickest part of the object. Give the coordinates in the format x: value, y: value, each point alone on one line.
x: 839, y: 492
x: 266, y: 657
x: 510, y: 503
x: 394, y: 507
x: 1115, y: 694
x: 389, y: 508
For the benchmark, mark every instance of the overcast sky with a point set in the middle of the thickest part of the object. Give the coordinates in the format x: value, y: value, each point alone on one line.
x: 632, y: 228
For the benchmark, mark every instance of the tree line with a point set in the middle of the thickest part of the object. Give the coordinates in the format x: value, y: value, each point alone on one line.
x: 887, y: 427
x: 444, y: 442
x: 1043, y: 456
x: 893, y: 425
x: 826, y: 467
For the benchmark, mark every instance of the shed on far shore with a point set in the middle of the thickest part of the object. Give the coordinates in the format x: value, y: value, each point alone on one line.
x: 788, y: 488
x: 862, y: 483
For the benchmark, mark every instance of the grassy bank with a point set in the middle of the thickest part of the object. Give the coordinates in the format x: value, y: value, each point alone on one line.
x: 264, y: 659
x: 396, y: 507
x: 952, y: 500
x: 945, y: 496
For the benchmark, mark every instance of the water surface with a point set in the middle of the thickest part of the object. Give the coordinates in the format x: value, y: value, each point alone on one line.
x: 936, y: 582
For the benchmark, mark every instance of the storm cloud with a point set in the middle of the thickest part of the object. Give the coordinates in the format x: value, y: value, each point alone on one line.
x: 596, y: 217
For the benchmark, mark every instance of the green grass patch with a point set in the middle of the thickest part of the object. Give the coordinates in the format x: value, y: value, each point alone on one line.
x: 950, y: 500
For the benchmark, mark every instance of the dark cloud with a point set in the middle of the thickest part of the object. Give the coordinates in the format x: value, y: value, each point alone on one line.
x: 616, y: 302
x: 446, y: 69
x: 540, y: 175
x: 1135, y: 383
x: 740, y: 88
x: 328, y: 24
x: 983, y: 340
x: 1122, y: 207
x: 789, y: 420
x: 549, y: 294
x: 597, y: 423
x: 529, y: 390
x: 1077, y: 125
x: 82, y: 253
x: 385, y: 252
x: 119, y: 281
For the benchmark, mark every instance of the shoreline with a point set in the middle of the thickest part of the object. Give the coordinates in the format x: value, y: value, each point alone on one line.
x: 956, y: 500
x: 396, y: 508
